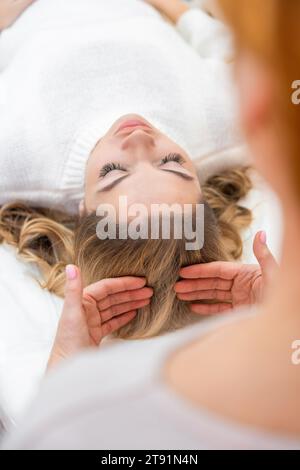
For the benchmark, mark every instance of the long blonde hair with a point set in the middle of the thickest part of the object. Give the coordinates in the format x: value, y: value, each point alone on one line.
x: 52, y: 240
x: 270, y: 30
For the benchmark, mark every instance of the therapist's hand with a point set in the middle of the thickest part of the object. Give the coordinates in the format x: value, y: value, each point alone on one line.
x: 10, y: 10
x: 228, y: 284
x: 91, y: 314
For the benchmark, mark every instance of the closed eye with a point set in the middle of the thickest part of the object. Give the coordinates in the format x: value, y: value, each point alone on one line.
x: 173, y: 157
x: 166, y: 164
x: 109, y: 167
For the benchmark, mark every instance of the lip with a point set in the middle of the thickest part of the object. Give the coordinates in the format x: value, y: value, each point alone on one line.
x: 133, y: 124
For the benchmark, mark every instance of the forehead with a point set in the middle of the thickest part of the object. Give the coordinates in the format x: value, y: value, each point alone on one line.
x: 170, y: 192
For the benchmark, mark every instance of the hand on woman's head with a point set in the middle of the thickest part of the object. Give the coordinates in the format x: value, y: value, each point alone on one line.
x: 159, y: 259
x: 229, y: 285
x: 91, y: 313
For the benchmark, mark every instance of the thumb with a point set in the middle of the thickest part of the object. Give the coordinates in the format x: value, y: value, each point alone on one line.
x: 68, y: 337
x: 264, y: 256
x: 73, y: 290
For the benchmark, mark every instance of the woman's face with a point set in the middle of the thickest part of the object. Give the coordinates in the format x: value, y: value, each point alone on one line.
x: 136, y: 160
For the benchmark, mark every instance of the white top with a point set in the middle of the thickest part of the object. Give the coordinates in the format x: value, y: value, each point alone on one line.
x: 117, y: 398
x: 70, y: 68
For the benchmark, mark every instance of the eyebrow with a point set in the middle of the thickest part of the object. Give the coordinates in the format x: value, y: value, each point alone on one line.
x: 121, y: 178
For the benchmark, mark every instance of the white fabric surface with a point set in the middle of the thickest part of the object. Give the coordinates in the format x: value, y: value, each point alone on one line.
x: 28, y: 321
x: 117, y: 399
x: 71, y: 68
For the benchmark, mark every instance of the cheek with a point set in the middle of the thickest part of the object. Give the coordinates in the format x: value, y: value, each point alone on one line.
x: 89, y: 172
x: 99, y: 157
x: 102, y: 153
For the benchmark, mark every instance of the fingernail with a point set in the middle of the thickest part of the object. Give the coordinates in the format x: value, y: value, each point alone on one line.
x: 71, y: 272
x: 263, y: 237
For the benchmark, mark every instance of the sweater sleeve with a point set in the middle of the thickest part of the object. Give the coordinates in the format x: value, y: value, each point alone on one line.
x: 207, y: 35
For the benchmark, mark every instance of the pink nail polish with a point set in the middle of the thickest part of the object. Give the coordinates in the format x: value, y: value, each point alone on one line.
x: 71, y: 272
x: 263, y: 237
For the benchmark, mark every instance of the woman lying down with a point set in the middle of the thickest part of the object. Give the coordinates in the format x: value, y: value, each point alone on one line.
x: 73, y: 73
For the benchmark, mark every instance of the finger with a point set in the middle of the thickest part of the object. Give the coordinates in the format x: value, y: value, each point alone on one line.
x: 128, y: 296
x: 264, y: 256
x: 202, y: 284
x: 117, y: 322
x: 106, y: 287
x: 73, y: 291
x: 221, y: 295
x: 219, y: 269
x: 92, y: 313
x: 210, y: 309
x: 116, y: 310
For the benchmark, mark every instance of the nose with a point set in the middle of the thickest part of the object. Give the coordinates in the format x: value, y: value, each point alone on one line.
x: 139, y: 138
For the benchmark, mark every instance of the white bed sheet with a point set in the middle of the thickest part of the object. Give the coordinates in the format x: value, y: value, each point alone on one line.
x: 29, y: 315
x: 28, y: 321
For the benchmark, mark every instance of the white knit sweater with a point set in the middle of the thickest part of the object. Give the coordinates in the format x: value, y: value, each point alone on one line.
x: 70, y: 68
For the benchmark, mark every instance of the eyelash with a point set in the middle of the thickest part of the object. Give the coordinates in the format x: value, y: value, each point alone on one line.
x: 172, y: 157
x: 111, y: 167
